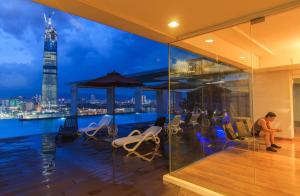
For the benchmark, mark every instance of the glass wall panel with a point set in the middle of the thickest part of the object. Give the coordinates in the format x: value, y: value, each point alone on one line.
x: 210, y: 97
x: 276, y: 43
x: 222, y: 85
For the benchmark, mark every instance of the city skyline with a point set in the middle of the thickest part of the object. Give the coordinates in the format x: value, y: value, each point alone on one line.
x: 101, y: 51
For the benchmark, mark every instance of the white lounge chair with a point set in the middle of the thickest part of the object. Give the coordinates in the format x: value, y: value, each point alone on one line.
x: 194, y: 119
x: 93, y: 128
x: 136, y: 138
x: 175, y: 125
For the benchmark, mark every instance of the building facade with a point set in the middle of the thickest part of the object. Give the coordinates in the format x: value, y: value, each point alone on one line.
x: 49, y: 86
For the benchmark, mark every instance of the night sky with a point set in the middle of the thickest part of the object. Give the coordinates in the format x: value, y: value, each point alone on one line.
x: 85, y: 49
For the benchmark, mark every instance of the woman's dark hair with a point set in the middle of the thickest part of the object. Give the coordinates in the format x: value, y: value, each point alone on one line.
x: 270, y: 114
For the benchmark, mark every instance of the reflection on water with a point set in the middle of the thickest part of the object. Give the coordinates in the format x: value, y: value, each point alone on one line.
x: 48, y: 150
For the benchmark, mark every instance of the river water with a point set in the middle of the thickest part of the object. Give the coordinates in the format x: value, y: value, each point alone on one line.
x: 14, y: 128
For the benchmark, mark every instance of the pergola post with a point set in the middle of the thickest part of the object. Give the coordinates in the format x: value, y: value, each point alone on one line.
x: 74, y: 90
x: 158, y: 101
x: 165, y: 101
x: 110, y: 100
x: 162, y: 101
x: 138, y: 99
x: 178, y: 96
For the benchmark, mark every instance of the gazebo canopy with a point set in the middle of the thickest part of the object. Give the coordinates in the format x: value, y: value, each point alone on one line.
x: 113, y: 79
x: 173, y: 85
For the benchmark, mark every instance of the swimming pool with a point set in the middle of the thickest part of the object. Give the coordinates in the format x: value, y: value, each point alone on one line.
x: 14, y: 128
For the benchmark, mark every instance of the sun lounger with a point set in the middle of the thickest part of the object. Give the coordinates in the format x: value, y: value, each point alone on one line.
x: 175, y: 125
x: 94, y: 128
x: 187, y: 119
x: 136, y: 138
x: 68, y: 130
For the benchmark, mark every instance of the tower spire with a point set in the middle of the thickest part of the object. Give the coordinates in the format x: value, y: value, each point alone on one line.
x: 48, y: 20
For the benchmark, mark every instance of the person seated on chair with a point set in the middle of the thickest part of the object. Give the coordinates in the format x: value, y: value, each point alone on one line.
x: 262, y: 128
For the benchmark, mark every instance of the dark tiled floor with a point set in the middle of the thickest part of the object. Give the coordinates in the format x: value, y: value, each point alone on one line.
x: 35, y: 165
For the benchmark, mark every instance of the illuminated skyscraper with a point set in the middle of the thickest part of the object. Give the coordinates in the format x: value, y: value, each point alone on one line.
x: 49, y: 87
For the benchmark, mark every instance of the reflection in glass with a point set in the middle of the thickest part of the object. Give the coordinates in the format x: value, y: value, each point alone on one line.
x: 207, y: 94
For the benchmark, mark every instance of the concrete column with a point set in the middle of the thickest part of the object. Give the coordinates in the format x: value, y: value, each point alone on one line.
x: 296, y: 102
x: 110, y: 100
x: 74, y: 91
x: 138, y: 99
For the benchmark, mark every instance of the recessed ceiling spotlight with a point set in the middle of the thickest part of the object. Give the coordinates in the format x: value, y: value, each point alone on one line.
x: 173, y: 24
x: 209, y: 41
x: 242, y: 57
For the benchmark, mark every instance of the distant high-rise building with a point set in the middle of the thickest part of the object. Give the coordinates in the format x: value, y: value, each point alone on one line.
x: 132, y: 100
x: 49, y: 86
x: 93, y: 99
x: 144, y: 99
x: 29, y: 106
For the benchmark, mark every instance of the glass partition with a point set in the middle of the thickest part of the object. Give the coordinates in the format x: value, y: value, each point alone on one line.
x: 222, y: 85
x: 210, y: 98
x: 276, y: 42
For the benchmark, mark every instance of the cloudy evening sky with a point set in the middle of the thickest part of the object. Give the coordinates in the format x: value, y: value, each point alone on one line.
x: 85, y: 49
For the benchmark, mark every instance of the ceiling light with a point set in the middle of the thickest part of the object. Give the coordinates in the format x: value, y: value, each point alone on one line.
x: 242, y: 57
x: 173, y: 24
x: 209, y: 41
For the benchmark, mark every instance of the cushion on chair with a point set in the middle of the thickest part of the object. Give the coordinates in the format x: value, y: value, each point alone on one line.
x: 241, y: 129
x: 153, y: 129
